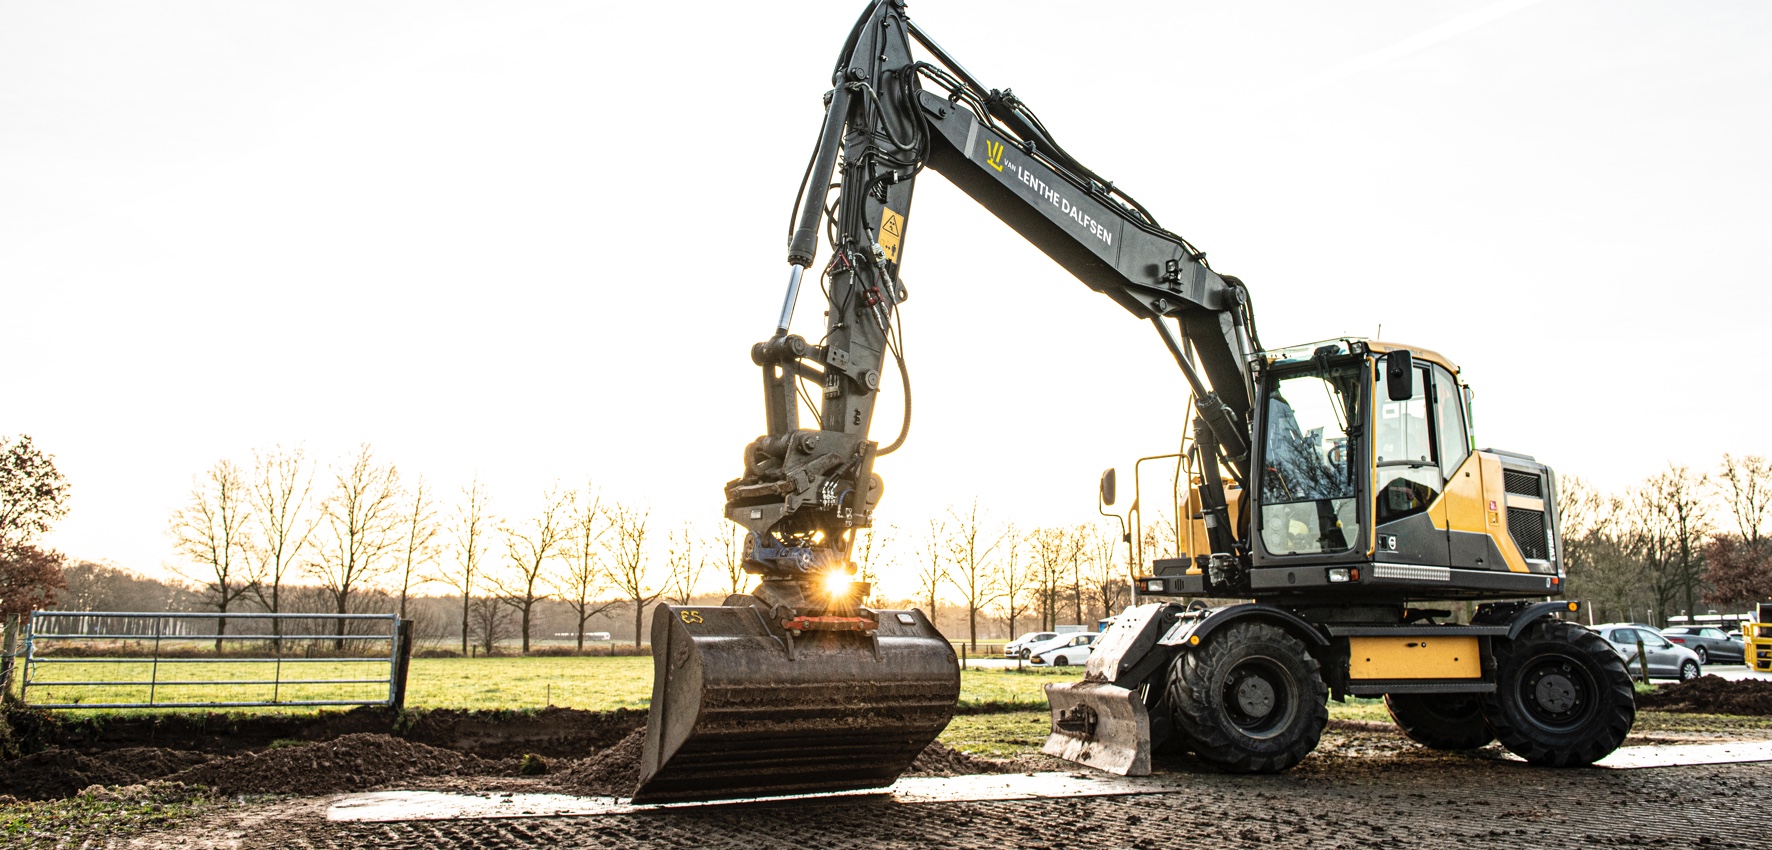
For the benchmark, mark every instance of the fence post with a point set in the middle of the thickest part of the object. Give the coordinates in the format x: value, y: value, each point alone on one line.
x: 403, y: 661
x: 1643, y: 660
x: 6, y: 656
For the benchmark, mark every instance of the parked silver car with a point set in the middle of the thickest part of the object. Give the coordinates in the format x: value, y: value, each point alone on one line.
x: 1667, y: 660
x: 1709, y: 643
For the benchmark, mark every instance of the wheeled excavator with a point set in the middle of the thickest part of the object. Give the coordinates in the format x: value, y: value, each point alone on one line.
x: 1333, y: 491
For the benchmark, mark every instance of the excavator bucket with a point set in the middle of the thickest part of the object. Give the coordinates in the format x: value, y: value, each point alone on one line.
x: 748, y: 705
x: 1104, y: 726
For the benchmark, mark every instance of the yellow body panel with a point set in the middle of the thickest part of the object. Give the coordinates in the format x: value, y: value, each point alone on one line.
x: 1414, y: 658
x: 1474, y: 501
x: 1758, y: 637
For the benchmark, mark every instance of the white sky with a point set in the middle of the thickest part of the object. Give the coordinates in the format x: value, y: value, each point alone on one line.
x: 534, y: 241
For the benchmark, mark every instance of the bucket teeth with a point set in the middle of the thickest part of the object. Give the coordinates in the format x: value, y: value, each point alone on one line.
x: 1103, y: 726
x: 743, y: 708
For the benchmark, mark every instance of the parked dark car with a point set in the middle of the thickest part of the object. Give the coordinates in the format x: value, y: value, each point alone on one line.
x: 1666, y: 660
x: 1709, y: 643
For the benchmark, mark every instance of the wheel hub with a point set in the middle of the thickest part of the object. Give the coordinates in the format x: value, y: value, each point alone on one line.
x: 1258, y: 697
x: 1556, y: 692
x: 1255, y: 696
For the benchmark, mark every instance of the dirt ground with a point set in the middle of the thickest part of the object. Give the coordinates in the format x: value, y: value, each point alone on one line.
x: 1364, y: 786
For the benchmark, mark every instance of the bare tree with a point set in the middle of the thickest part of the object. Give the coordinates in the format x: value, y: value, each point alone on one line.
x: 628, y: 567
x: 1671, y: 528
x: 871, y: 551
x: 491, y: 622
x: 282, y: 522
x: 1745, y: 484
x: 419, y: 548
x: 362, y: 519
x: 585, y: 578
x: 1017, y: 576
x: 934, y: 570
x: 728, y: 546
x: 528, y: 550
x: 209, y: 531
x: 1079, y: 567
x: 1051, y: 549
x: 683, y: 564
x: 1108, y: 585
x: 471, y: 529
x: 971, y: 551
x: 1599, y: 536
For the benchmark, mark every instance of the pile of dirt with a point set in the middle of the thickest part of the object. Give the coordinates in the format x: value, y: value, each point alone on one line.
x: 53, y: 774
x: 551, y: 732
x: 354, y: 762
x: 57, y: 773
x: 938, y: 760
x: 611, y: 773
x: 1712, y: 695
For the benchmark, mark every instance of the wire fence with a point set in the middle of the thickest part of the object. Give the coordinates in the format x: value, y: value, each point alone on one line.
x: 118, y: 659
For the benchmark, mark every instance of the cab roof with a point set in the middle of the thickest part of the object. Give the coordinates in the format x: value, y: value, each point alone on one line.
x: 1350, y: 342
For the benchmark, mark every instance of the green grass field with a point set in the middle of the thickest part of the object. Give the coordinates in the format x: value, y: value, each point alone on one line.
x: 598, y: 683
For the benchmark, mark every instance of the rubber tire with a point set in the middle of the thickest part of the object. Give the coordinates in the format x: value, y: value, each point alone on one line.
x: 1199, y: 683
x: 1060, y: 661
x: 1026, y: 653
x: 1703, y: 656
x: 1690, y: 670
x: 1441, y: 721
x: 1586, y: 663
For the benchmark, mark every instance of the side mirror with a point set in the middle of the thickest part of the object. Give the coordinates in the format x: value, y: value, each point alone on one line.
x: 1399, y: 375
x: 1107, y: 487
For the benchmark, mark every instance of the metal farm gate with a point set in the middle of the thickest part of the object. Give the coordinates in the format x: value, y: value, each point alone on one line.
x: 113, y: 659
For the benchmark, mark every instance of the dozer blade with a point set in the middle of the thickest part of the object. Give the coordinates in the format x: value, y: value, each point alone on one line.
x: 1100, y: 725
x: 743, y: 707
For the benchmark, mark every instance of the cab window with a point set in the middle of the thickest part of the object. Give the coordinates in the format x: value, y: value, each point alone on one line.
x: 1454, y: 440
x: 1403, y: 451
x: 1309, y: 471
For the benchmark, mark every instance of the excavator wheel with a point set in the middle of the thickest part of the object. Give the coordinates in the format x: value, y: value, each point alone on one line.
x: 1562, y: 697
x: 1441, y: 721
x: 1249, y: 700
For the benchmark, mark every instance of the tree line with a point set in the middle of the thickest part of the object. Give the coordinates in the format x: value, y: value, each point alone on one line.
x: 284, y: 533
x: 360, y: 535
x: 1681, y: 543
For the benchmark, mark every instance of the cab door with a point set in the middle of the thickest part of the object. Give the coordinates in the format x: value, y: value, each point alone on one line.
x: 1408, y: 477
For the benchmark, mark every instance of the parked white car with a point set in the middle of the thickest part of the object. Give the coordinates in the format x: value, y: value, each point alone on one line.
x: 1062, y: 650
x: 1020, y: 645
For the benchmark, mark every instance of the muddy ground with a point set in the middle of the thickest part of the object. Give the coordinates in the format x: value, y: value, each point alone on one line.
x: 1365, y: 785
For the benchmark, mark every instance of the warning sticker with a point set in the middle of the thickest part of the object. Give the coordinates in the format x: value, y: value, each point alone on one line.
x: 891, y: 231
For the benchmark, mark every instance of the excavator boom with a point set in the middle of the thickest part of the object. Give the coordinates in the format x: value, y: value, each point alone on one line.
x: 795, y: 687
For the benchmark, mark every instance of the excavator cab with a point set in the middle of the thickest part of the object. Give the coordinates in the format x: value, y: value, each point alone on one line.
x: 1362, y: 499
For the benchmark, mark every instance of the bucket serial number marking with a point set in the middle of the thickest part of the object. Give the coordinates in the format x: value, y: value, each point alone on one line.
x: 689, y: 616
